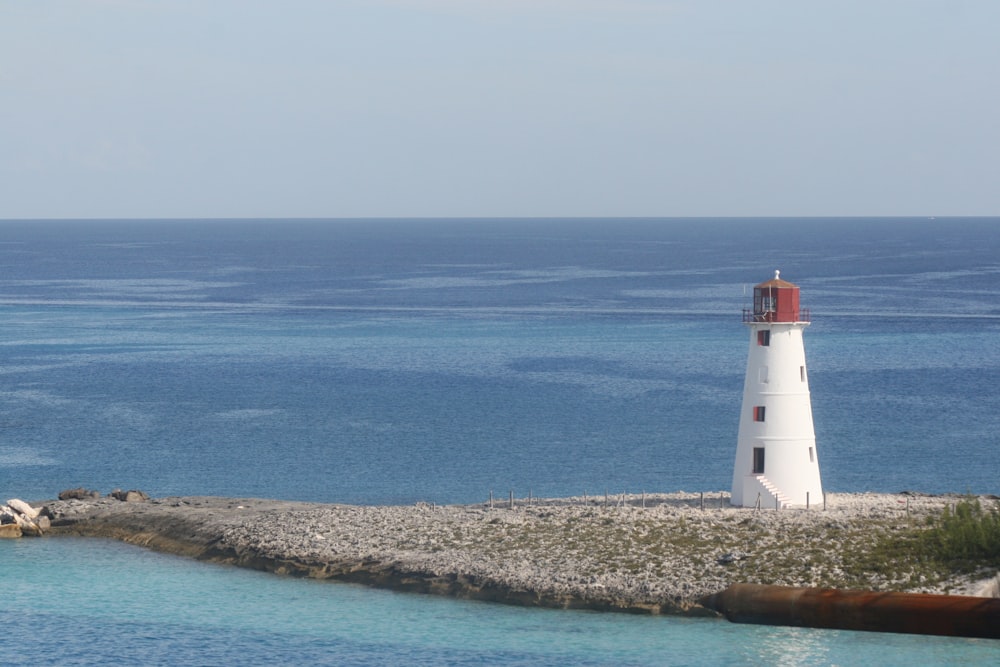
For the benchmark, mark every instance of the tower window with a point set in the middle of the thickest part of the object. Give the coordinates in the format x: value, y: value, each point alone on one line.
x: 758, y: 413
x: 802, y: 373
x: 764, y: 337
x: 758, y: 460
x: 812, y: 456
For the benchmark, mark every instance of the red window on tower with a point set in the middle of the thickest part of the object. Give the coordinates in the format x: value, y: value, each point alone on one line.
x: 758, y: 413
x: 764, y: 337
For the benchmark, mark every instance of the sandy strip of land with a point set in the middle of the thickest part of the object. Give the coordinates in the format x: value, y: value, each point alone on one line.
x: 653, y: 554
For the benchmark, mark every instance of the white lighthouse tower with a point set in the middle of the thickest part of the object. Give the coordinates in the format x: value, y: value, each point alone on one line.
x: 776, y: 459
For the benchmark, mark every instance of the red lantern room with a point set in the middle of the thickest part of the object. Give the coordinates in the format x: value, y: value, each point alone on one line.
x: 776, y: 300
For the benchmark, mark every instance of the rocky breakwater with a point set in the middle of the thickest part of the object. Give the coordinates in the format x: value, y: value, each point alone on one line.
x: 18, y: 518
x: 649, y: 554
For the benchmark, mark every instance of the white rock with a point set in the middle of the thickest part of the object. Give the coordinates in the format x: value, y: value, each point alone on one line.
x: 22, y: 507
x: 27, y: 525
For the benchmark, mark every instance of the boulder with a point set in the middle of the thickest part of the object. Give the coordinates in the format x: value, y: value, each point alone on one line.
x: 24, y: 508
x: 10, y: 530
x: 78, y: 494
x: 27, y: 526
x: 131, y: 496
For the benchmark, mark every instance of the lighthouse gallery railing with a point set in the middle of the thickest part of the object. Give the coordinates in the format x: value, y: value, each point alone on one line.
x: 751, y: 315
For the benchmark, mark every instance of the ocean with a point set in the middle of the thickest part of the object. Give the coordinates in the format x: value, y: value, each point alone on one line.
x: 402, y: 361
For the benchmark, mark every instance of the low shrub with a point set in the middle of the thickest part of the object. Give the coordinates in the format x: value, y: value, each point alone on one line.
x: 965, y: 537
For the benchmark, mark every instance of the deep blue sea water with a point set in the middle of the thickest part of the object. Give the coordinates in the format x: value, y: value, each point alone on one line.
x: 394, y: 361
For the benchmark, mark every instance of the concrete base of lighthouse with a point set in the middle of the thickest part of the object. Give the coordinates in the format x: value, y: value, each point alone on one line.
x: 791, y: 480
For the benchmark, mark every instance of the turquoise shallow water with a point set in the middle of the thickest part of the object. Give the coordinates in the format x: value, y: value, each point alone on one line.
x: 71, y: 601
x: 403, y: 361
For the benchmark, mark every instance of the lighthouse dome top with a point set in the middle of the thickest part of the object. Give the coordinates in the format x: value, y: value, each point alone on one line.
x: 777, y: 282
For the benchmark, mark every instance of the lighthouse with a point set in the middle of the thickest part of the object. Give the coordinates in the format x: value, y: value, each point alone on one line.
x: 776, y: 460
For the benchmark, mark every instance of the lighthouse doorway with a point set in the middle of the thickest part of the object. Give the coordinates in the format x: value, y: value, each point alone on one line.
x: 758, y: 460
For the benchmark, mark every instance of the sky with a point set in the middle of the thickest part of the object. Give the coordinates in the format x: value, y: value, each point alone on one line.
x: 498, y: 108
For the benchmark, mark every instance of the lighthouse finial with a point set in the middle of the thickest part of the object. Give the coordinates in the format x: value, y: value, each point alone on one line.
x: 776, y: 274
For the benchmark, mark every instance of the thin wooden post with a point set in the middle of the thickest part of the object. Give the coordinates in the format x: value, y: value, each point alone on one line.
x: 491, y: 498
x: 512, y: 498
x: 807, y: 500
x: 702, y: 500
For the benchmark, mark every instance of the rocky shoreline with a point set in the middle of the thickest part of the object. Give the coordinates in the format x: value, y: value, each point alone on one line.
x: 644, y: 554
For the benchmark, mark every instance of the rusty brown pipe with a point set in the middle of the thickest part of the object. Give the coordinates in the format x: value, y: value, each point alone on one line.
x: 916, y: 613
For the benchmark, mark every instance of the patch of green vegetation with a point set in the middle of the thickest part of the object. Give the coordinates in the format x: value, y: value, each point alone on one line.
x: 966, y: 537
x: 960, y: 540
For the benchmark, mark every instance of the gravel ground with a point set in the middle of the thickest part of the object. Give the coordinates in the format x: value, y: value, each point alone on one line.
x: 651, y: 554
